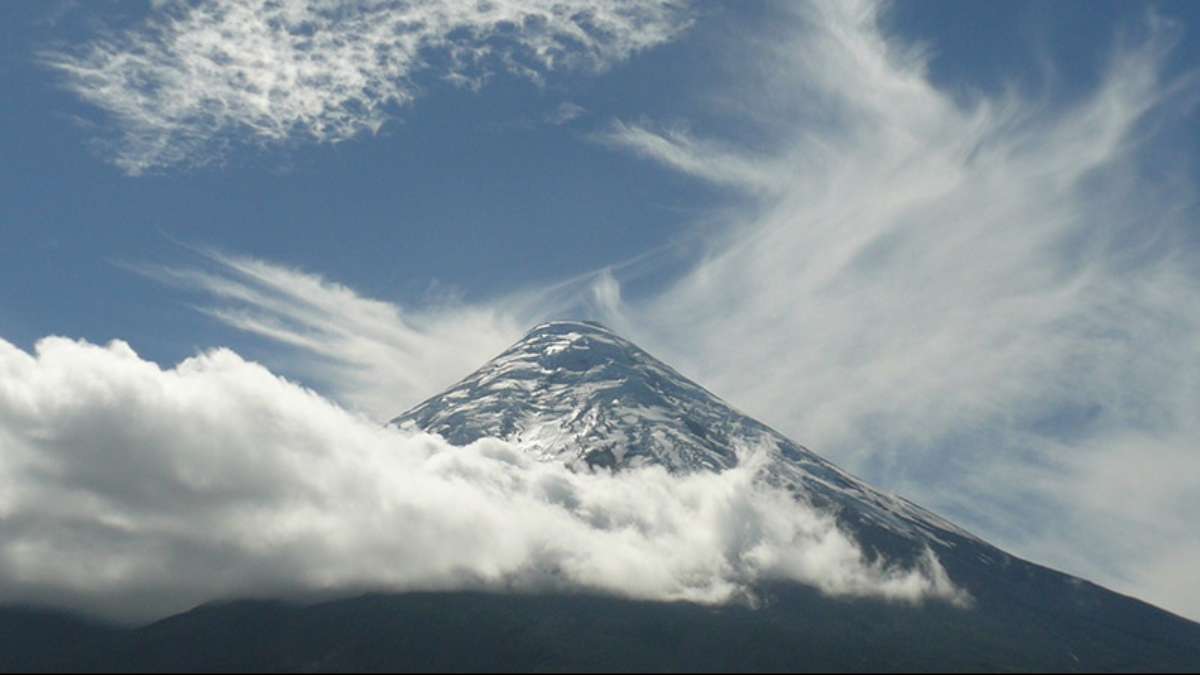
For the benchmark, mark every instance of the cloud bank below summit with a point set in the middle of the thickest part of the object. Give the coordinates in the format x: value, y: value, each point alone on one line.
x: 135, y: 491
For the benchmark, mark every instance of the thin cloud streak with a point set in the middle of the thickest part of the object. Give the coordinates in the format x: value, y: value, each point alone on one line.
x: 371, y: 355
x: 374, y: 356
x: 679, y: 150
x: 565, y: 113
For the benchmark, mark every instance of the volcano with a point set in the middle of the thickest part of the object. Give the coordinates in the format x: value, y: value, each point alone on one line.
x: 575, y: 393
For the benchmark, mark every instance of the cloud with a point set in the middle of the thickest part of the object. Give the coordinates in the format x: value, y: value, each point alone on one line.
x: 133, y: 490
x: 678, y: 149
x: 983, y: 301
x: 370, y: 355
x: 194, y: 80
x: 565, y: 113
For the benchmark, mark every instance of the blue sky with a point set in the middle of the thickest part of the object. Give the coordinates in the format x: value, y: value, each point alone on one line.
x: 951, y: 246
x: 453, y: 185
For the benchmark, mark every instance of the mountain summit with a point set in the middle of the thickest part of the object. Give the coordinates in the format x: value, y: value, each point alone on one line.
x: 577, y: 393
x: 573, y: 391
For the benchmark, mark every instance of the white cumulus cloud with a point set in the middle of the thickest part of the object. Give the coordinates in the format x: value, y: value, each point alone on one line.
x: 133, y: 490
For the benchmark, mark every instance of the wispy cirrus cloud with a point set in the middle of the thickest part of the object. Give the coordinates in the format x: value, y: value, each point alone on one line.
x: 983, y: 302
x: 345, y: 338
x: 195, y: 79
x: 680, y: 150
x: 372, y: 355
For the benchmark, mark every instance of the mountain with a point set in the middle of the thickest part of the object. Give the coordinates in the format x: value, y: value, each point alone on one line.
x: 574, y: 392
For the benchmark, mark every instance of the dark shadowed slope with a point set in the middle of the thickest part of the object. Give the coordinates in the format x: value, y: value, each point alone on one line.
x: 798, y: 630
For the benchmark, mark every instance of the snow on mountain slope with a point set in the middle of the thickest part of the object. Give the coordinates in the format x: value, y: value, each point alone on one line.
x: 575, y: 392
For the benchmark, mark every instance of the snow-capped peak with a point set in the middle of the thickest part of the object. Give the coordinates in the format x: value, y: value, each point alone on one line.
x: 575, y: 392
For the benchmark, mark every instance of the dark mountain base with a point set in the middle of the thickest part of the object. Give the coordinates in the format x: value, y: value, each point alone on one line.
x: 797, y: 630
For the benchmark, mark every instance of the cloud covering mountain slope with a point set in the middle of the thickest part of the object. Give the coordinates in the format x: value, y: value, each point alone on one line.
x: 137, y: 491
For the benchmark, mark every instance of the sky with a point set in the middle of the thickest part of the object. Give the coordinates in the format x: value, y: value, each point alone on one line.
x: 954, y: 247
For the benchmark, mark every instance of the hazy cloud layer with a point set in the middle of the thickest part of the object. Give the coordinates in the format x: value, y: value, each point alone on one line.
x: 134, y: 490
x: 985, y: 302
x: 195, y: 78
